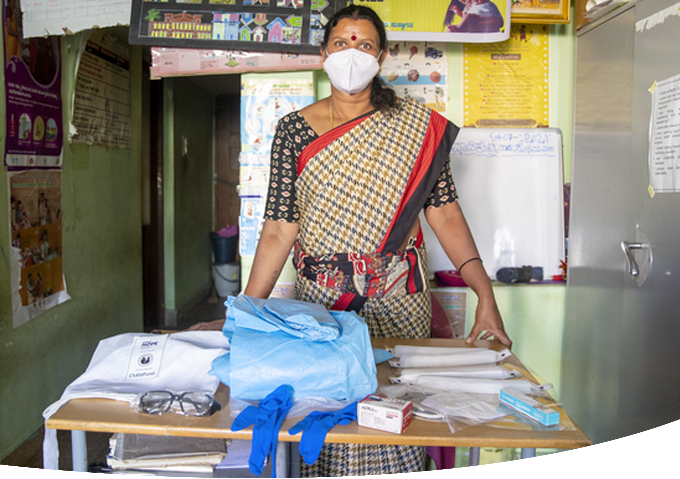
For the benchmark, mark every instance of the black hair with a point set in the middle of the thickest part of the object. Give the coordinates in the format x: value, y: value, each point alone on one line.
x: 383, y: 96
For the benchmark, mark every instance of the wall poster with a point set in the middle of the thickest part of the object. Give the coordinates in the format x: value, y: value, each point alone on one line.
x: 36, y: 252
x: 507, y: 84
x: 472, y: 21
x: 167, y: 62
x: 101, y: 104
x: 34, y: 135
x: 264, y: 101
x: 254, y: 25
x: 418, y: 70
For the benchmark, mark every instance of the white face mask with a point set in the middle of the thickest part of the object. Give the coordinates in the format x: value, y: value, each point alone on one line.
x: 351, y: 70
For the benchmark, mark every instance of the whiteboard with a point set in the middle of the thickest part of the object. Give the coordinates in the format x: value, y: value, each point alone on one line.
x: 510, y: 188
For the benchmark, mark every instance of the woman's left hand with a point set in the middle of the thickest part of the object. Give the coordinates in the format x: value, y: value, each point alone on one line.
x: 488, y: 320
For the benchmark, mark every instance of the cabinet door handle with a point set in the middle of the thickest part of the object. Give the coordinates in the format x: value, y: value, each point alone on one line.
x: 630, y: 260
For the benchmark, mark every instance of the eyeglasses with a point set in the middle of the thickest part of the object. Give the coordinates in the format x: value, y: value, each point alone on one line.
x: 192, y: 403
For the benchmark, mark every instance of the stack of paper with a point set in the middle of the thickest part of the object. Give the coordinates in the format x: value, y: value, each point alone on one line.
x: 132, y: 453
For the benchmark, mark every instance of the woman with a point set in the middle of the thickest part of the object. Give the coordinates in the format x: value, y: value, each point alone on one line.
x: 349, y: 175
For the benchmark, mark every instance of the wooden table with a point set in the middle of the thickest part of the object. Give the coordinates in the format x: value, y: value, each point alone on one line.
x: 104, y: 415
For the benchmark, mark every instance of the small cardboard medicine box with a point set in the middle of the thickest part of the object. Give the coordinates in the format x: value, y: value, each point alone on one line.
x: 529, y: 407
x: 378, y: 412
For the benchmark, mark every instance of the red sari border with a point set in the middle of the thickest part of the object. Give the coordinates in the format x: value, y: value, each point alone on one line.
x: 435, y: 132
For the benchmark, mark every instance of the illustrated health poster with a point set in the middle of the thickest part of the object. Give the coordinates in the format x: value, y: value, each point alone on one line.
x: 264, y: 101
x: 507, y: 84
x: 34, y: 135
x: 471, y: 21
x: 36, y: 252
x: 418, y: 70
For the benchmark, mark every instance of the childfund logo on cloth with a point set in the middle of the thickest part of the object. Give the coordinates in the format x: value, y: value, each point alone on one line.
x: 142, y: 363
x: 145, y: 360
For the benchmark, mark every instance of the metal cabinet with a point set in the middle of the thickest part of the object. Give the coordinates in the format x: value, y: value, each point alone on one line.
x: 621, y: 359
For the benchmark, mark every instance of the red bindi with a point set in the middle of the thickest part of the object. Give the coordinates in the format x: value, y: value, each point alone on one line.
x: 354, y: 37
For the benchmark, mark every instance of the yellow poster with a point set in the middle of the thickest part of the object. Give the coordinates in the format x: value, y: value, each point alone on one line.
x: 443, y: 20
x: 506, y: 84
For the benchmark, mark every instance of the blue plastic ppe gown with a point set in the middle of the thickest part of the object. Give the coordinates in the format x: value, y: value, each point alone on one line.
x: 267, y: 418
x: 303, y: 320
x: 268, y: 349
x: 315, y: 427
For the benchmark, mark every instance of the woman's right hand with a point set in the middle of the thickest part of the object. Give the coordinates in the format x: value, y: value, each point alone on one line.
x: 216, y: 325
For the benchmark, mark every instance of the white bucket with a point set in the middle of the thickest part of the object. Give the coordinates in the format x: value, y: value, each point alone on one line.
x: 227, y: 279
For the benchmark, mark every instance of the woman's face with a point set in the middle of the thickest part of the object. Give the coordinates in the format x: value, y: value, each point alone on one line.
x: 359, y: 34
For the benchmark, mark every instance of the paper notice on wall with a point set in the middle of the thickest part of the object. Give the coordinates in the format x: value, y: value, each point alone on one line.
x: 664, y: 137
x: 57, y: 17
x: 506, y: 84
x: 101, y: 104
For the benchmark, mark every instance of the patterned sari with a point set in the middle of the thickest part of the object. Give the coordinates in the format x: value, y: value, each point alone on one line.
x: 360, y: 188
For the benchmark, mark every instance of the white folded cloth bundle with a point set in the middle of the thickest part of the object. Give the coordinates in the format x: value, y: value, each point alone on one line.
x: 479, y: 386
x: 479, y: 371
x: 452, y: 358
x: 403, y: 349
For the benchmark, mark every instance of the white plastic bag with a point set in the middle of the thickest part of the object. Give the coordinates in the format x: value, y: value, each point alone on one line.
x: 182, y: 365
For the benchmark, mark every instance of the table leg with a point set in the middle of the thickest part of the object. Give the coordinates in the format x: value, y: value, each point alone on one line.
x: 474, y: 456
x: 282, y: 459
x: 527, y: 463
x: 294, y: 468
x: 79, y: 451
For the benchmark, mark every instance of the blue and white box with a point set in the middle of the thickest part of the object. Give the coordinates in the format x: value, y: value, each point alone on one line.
x: 529, y: 407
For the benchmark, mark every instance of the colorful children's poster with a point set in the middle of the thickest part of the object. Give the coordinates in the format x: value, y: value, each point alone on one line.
x: 418, y: 70
x: 33, y: 106
x: 167, y: 62
x: 36, y: 232
x: 101, y: 104
x: 471, y: 21
x: 264, y: 101
x: 252, y: 25
x: 507, y: 84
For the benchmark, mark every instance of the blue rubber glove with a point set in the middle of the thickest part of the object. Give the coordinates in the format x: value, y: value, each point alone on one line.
x: 315, y: 427
x: 267, y: 418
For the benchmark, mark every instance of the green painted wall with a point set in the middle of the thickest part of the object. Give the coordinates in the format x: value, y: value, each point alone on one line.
x: 188, y: 191
x: 102, y: 245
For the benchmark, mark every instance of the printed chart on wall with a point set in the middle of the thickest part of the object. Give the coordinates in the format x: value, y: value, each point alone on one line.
x: 664, y: 137
x: 507, y: 84
x: 33, y: 96
x: 101, y: 107
x: 444, y: 20
x: 418, y: 70
x: 37, y: 281
x: 57, y: 17
x: 256, y: 25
